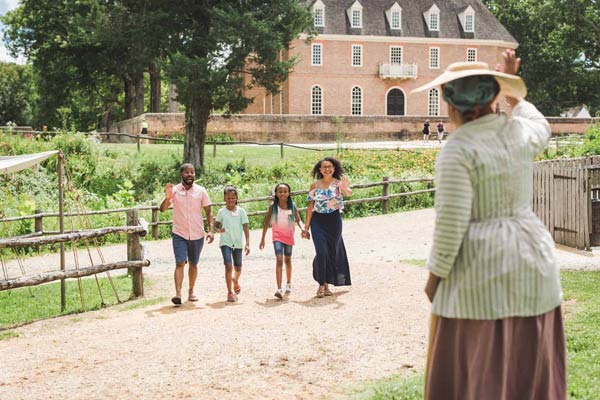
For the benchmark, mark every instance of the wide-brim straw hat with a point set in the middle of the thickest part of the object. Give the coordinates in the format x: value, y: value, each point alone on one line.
x: 510, y: 85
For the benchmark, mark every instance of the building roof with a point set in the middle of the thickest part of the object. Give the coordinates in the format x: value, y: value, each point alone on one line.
x: 413, y: 23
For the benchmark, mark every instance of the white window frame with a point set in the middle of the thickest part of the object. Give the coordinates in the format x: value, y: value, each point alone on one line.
x: 312, y: 54
x: 312, y: 100
x: 433, y: 103
x: 431, y: 58
x: 471, y: 51
x: 318, y: 10
x: 472, y: 28
x: 392, y: 20
x: 391, y: 55
x: 352, y: 103
x: 434, y: 17
x: 356, y: 12
x: 360, y: 55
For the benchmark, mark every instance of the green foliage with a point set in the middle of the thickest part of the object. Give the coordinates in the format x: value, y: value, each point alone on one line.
x: 591, y: 142
x: 392, y: 388
x: 17, y: 94
x: 559, y: 43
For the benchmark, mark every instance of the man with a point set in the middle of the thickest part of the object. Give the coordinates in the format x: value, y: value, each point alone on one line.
x: 188, y: 200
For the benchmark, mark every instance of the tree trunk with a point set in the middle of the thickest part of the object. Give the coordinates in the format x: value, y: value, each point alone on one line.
x: 154, y: 88
x: 106, y: 121
x: 139, y: 93
x: 173, y: 104
x: 196, y: 122
x: 129, y: 98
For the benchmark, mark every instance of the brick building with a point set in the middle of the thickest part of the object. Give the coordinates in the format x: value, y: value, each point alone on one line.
x: 369, y: 54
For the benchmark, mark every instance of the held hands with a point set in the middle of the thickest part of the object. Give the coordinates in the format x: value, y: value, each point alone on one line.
x: 305, y: 234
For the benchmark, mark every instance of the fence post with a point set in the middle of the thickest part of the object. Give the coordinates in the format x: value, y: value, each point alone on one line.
x: 281, y: 149
x: 155, y: 220
x: 134, y: 252
x: 139, y: 139
x: 384, y: 203
x: 214, y: 149
x: 38, y: 224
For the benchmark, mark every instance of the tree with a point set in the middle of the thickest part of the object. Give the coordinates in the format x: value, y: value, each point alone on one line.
x: 17, y: 94
x: 218, y: 48
x: 559, y: 43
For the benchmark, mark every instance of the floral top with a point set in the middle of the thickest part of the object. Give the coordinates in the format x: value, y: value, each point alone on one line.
x: 327, y: 200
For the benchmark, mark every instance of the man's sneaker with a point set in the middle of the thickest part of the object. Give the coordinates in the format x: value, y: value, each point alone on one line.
x: 279, y: 293
x: 288, y: 288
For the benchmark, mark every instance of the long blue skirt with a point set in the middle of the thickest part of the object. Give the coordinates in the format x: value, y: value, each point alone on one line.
x: 331, y: 262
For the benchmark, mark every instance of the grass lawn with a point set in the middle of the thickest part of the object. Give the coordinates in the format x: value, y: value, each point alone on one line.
x: 19, y: 306
x: 258, y: 156
x: 582, y: 326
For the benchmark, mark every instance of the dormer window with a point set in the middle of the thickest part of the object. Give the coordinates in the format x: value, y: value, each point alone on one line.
x: 318, y: 10
x: 467, y: 19
x: 355, y: 15
x: 432, y: 18
x: 394, y: 17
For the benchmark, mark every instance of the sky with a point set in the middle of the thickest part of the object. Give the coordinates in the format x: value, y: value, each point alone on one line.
x: 5, y: 6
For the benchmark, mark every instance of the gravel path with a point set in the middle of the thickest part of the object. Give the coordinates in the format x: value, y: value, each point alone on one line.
x: 258, y: 348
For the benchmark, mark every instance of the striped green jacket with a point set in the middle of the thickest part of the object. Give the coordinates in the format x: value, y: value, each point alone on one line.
x: 495, y: 255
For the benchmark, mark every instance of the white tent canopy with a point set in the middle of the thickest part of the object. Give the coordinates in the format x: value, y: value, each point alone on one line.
x: 12, y: 164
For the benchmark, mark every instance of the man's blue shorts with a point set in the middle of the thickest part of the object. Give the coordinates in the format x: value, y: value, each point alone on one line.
x: 187, y: 250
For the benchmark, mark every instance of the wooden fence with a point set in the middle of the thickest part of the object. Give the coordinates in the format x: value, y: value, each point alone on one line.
x: 154, y: 223
x: 563, y: 191
x: 135, y: 229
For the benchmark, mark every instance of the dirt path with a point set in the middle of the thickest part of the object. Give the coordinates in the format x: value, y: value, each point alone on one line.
x: 258, y: 348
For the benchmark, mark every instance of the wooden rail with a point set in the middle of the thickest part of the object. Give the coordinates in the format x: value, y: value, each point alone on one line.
x: 155, y: 223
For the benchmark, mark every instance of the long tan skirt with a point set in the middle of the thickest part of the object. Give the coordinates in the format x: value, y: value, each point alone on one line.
x: 519, y: 358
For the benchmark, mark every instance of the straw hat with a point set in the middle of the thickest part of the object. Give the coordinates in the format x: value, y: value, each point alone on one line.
x: 510, y: 85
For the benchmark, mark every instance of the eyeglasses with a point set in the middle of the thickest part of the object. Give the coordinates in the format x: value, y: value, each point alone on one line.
x: 327, y: 167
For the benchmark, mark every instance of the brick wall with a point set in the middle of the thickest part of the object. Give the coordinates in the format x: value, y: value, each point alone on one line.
x: 305, y: 129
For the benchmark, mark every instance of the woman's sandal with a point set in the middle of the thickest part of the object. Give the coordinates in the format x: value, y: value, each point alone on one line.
x: 328, y: 292
x: 237, y: 288
x: 231, y: 298
x: 321, y: 292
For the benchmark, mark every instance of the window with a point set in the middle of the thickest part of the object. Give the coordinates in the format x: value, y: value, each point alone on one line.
x: 281, y: 102
x: 356, y: 101
x: 434, y: 103
x: 471, y: 55
x: 434, y: 57
x: 395, y: 24
x: 272, y: 104
x: 317, y: 54
x: 395, y: 55
x: 319, y: 17
x: 316, y: 101
x: 469, y: 23
x: 357, y: 18
x: 356, y: 55
x: 434, y: 22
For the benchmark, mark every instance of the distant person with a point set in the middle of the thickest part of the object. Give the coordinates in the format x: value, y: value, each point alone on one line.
x: 188, y: 199
x: 232, y: 223
x: 144, y: 127
x: 282, y: 216
x: 440, y: 130
x: 324, y: 219
x: 426, y: 130
x: 496, y: 327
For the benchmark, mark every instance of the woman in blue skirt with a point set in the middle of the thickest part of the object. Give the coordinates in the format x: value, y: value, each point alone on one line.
x: 324, y: 218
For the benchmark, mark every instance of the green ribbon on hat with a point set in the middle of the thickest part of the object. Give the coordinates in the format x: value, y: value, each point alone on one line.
x: 466, y: 93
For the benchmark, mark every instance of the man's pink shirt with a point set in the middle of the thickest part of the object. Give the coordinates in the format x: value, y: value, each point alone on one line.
x: 187, y: 211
